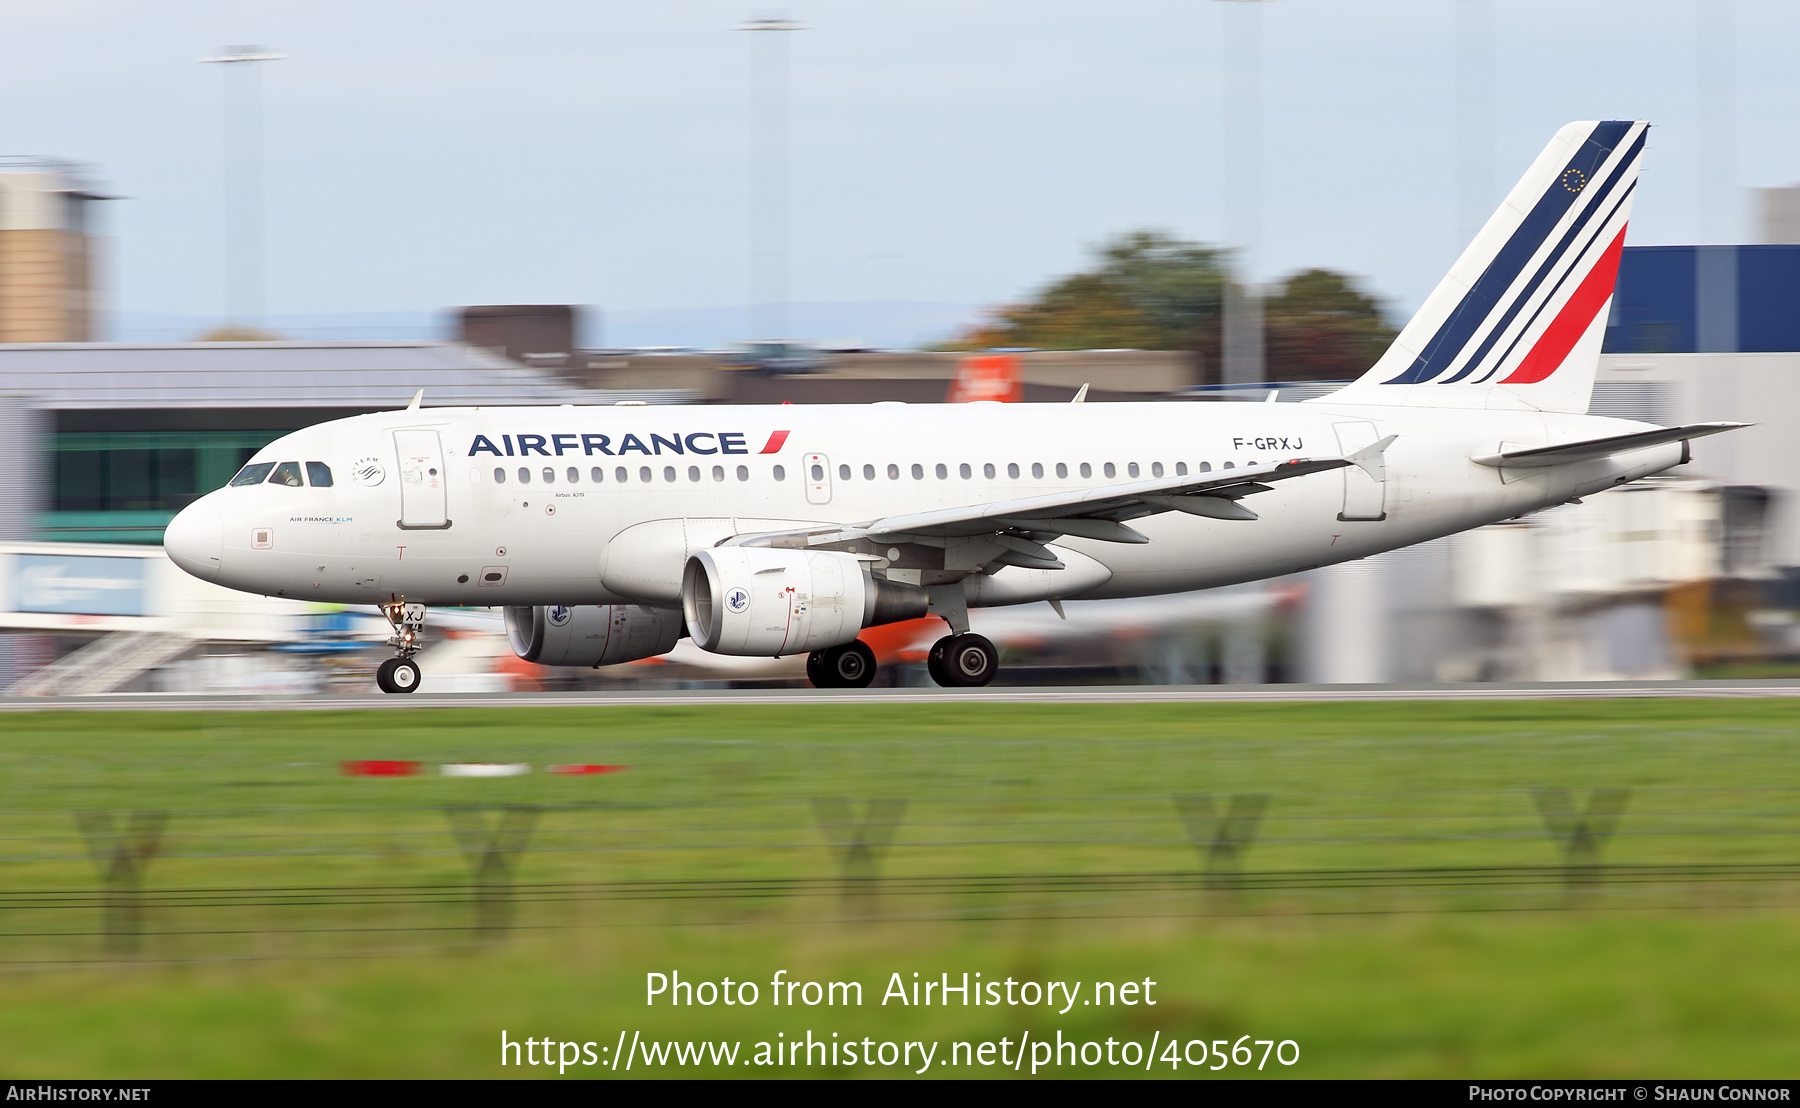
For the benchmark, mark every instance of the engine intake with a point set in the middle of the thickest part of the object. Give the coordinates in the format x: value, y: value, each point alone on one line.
x: 766, y: 602
x: 591, y: 635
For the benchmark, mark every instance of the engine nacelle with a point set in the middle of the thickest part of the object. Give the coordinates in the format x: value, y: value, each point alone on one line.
x: 767, y: 602
x: 591, y: 635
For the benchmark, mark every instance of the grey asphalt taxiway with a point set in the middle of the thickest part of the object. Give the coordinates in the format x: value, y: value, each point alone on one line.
x: 1109, y: 694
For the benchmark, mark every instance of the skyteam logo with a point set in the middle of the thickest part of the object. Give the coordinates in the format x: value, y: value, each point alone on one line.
x: 560, y: 616
x: 737, y: 600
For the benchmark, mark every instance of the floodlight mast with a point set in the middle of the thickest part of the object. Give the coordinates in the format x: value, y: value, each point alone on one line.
x: 769, y: 175
x: 243, y: 185
x: 1242, y: 339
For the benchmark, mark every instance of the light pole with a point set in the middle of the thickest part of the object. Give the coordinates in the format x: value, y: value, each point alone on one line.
x: 769, y: 175
x: 243, y: 184
x: 1474, y: 117
x: 1715, y: 111
x: 1242, y: 345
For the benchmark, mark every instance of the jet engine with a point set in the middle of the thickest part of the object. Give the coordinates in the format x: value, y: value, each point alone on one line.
x: 591, y: 635
x: 767, y: 602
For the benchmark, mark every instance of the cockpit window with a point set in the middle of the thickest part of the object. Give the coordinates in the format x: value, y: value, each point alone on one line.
x: 253, y: 473
x: 287, y: 473
x: 318, y: 475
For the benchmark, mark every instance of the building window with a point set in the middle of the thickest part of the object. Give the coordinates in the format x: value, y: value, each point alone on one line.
x: 318, y: 475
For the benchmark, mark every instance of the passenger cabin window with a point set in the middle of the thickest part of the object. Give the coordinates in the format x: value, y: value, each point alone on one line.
x: 988, y: 470
x: 743, y: 473
x: 943, y: 471
x: 1062, y: 469
x: 1086, y: 469
x: 1012, y: 469
x: 644, y: 474
x: 843, y: 473
x: 574, y: 476
x: 499, y: 476
x: 1156, y: 469
x: 1111, y: 470
x: 597, y: 474
x: 287, y: 473
x: 253, y: 474
x: 779, y: 473
x: 524, y: 476
x: 718, y: 473
x: 1181, y: 469
x: 918, y: 472
x: 318, y: 475
x: 1131, y: 469
x: 964, y: 470
x: 622, y: 474
x: 1037, y: 469
x: 549, y: 476
x: 893, y: 472
x: 868, y: 473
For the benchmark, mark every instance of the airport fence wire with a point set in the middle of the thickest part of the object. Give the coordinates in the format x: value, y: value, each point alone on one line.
x: 199, y: 882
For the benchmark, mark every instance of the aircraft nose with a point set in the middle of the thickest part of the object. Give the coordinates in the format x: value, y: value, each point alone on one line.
x: 195, y: 540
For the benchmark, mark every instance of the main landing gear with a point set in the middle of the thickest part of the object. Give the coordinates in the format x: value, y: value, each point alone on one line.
x: 850, y: 666
x: 400, y: 674
x: 962, y: 661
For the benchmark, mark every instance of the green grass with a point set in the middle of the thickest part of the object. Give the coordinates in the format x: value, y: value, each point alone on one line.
x: 1664, y: 977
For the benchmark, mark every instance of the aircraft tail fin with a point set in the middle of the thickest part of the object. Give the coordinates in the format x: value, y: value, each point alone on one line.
x: 1519, y: 319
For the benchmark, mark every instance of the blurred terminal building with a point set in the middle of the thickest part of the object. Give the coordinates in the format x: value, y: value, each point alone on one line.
x: 101, y: 443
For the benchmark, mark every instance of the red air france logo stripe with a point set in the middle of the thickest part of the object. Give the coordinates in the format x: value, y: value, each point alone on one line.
x: 776, y: 441
x: 1573, y: 321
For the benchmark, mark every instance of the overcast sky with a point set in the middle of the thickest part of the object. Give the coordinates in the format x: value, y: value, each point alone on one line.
x: 428, y: 153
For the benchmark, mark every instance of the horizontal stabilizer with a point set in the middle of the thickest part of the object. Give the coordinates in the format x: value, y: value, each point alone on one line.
x: 1587, y: 449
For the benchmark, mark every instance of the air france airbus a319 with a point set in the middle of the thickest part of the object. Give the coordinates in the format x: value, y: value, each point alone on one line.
x: 607, y: 533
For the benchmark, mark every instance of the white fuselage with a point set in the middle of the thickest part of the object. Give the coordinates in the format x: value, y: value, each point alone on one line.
x: 574, y: 479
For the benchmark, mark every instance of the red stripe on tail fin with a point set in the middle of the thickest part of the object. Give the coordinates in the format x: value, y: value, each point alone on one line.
x: 1573, y: 321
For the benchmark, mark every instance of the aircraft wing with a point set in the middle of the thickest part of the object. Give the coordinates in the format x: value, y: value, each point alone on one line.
x: 1587, y: 449
x: 1018, y: 528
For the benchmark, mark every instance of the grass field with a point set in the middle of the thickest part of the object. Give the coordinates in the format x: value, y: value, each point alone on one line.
x: 1451, y: 890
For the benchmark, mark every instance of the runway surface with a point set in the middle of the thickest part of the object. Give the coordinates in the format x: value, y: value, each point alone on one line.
x: 1132, y: 694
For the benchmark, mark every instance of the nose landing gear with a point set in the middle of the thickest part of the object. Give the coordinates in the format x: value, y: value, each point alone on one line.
x: 400, y: 674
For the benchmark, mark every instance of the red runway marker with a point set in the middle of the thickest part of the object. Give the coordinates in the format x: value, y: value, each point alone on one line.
x: 378, y: 768
x: 586, y: 770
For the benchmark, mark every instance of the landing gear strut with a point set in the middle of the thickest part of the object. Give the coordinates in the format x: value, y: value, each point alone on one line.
x: 850, y: 666
x: 962, y: 661
x: 400, y: 674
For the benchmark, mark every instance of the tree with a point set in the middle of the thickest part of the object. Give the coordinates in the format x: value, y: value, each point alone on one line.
x: 1151, y: 291
x: 1320, y: 327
